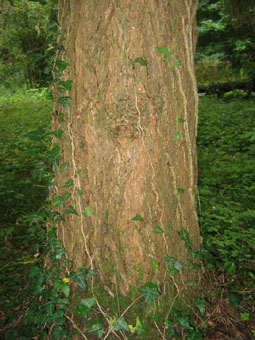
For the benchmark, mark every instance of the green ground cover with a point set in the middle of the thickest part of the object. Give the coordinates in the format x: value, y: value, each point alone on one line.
x: 226, y: 151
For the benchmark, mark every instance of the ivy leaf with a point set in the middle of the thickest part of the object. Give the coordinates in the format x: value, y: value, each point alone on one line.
x: 172, y: 333
x: 80, y: 279
x: 59, y: 252
x: 121, y: 325
x: 86, y: 305
x: 68, y: 183
x: 61, y: 285
x: 96, y: 329
x: 194, y: 335
x: 58, y: 134
x: 181, y: 120
x: 61, y: 65
x: 171, y: 261
x: 185, y: 238
x: 159, y: 49
x: 201, y: 304
x: 64, y: 101
x: 157, y: 230
x: 169, y: 228
x: 234, y: 299
x: 168, y: 323
x: 80, y: 192
x: 66, y: 84
x: 59, y: 332
x: 178, y: 134
x: 66, y: 196
x: 245, y: 316
x: 149, y: 291
x: 180, y: 191
x: 137, y: 218
x: 58, y: 202
x: 141, y: 61
x: 56, y: 149
x: 63, y: 167
x: 177, y: 63
x: 154, y: 264
x: 184, y: 321
x: 138, y: 326
x: 196, y: 267
x: 71, y: 210
x: 88, y: 212
x: 167, y: 53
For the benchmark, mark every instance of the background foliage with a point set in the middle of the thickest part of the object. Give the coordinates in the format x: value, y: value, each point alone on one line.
x: 27, y: 40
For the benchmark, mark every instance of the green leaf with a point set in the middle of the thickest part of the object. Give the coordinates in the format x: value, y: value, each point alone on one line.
x: 61, y: 285
x: 245, y: 316
x: 80, y: 278
x: 181, y: 120
x: 141, y: 61
x: 89, y: 303
x: 167, y: 53
x: 58, y: 202
x: 159, y: 49
x: 88, y: 212
x: 66, y: 196
x: 56, y: 149
x: 66, y: 84
x: 61, y: 90
x: 61, y: 65
x: 168, y: 323
x: 59, y: 333
x: 149, y: 291
x: 172, y: 333
x: 137, y: 218
x: 169, y: 228
x: 96, y: 329
x: 178, y: 134
x: 86, y: 305
x: 173, y: 265
x: 196, y: 267
x: 194, y: 334
x: 234, y: 299
x: 138, y: 326
x: 71, y: 210
x: 251, y: 275
x: 64, y: 101
x: 201, y: 304
x: 58, y: 134
x: 157, y: 230
x: 184, y: 322
x: 121, y: 325
x: 154, y: 264
x: 231, y: 268
x: 180, y: 191
x: 68, y: 183
x: 80, y: 192
x: 185, y: 238
x: 62, y: 302
x: 63, y: 167
x: 59, y: 252
x: 177, y: 63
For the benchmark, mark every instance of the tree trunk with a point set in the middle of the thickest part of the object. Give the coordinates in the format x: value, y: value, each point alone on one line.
x: 129, y: 137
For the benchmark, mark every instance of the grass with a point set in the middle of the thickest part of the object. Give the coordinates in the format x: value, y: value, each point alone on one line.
x: 226, y: 151
x: 226, y: 158
x: 22, y: 194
